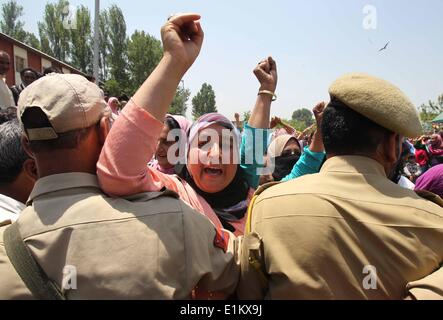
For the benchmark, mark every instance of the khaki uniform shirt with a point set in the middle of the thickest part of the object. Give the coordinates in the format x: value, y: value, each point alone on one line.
x: 345, y: 233
x: 146, y: 247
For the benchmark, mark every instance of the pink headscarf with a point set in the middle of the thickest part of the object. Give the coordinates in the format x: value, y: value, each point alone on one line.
x: 436, y: 148
x: 110, y: 102
x: 184, y: 125
x: 209, y: 119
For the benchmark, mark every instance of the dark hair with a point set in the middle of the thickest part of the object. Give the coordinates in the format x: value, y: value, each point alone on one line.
x: 51, y: 70
x: 346, y: 132
x: 22, y: 73
x: 7, y: 115
x: 34, y: 118
x: 12, y: 155
x: 172, y: 124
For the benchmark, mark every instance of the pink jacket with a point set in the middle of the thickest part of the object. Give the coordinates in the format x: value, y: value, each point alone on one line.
x: 122, y: 168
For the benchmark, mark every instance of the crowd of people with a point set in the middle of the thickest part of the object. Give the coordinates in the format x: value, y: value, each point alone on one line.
x: 143, y: 204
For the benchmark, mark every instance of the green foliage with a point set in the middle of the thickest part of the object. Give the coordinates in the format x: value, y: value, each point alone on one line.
x: 82, y: 42
x: 247, y: 116
x: 10, y: 22
x: 118, y: 46
x: 55, y: 39
x: 204, y: 101
x: 32, y: 40
x: 179, y: 104
x: 144, y: 54
x: 124, y: 63
x: 303, y: 116
x: 104, y: 44
x: 430, y: 111
x: 113, y: 88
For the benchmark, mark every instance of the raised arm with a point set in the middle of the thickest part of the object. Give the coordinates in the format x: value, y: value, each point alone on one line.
x: 182, y: 40
x: 266, y: 73
x: 255, y: 136
x: 122, y: 168
x: 312, y: 157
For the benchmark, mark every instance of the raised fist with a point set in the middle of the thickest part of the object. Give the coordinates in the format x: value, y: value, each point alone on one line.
x: 182, y: 38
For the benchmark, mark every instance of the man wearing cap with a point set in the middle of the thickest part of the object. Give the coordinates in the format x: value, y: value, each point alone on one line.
x: 347, y: 232
x: 85, y: 245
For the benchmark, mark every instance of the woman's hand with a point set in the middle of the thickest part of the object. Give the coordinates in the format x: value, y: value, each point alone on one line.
x: 266, y: 73
x: 318, y: 113
x: 317, y: 140
x: 182, y: 38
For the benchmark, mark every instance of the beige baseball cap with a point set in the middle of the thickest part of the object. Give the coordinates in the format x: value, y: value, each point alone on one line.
x: 69, y: 101
x: 379, y: 101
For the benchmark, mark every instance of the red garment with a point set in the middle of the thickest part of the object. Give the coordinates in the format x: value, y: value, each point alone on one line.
x: 421, y: 157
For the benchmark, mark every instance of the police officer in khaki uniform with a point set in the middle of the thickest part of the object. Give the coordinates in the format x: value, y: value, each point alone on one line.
x: 88, y: 245
x: 347, y: 232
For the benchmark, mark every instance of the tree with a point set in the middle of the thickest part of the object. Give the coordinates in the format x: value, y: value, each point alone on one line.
x: 104, y: 44
x: 10, y: 23
x: 303, y: 115
x: 246, y: 116
x: 118, y: 47
x: 204, y: 101
x: 32, y: 40
x: 81, y: 39
x: 54, y: 34
x: 144, y: 54
x: 179, y: 104
x: 113, y: 88
x: 430, y: 111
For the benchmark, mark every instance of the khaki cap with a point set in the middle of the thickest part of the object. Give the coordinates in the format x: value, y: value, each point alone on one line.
x: 379, y: 101
x: 69, y: 101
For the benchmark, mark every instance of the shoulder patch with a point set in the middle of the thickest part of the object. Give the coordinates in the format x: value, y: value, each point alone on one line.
x: 221, y: 239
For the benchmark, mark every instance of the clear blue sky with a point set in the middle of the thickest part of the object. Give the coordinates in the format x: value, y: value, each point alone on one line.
x: 313, y: 42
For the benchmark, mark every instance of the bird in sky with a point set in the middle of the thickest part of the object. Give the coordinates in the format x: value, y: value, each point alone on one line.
x: 384, y: 48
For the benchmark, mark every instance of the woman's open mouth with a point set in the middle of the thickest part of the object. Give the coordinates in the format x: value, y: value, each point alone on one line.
x: 214, y: 172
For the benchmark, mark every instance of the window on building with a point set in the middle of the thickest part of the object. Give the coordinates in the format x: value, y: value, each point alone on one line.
x: 20, y: 64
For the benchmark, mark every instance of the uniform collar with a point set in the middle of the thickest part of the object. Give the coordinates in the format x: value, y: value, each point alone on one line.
x: 353, y: 164
x: 63, y: 181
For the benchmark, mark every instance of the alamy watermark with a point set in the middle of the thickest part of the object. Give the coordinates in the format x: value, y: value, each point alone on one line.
x: 69, y: 17
x: 370, y: 20
x: 69, y: 281
x: 211, y: 148
x: 370, y: 282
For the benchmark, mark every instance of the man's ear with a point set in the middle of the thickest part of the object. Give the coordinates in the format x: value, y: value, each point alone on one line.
x: 104, y: 128
x: 392, y: 148
x: 30, y: 169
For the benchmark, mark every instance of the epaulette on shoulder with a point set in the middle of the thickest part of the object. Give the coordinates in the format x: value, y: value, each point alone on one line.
x: 147, y: 196
x: 258, y: 192
x: 264, y: 187
x: 5, y: 223
x: 430, y: 197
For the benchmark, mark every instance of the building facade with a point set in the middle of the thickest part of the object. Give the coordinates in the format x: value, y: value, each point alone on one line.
x: 24, y: 56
